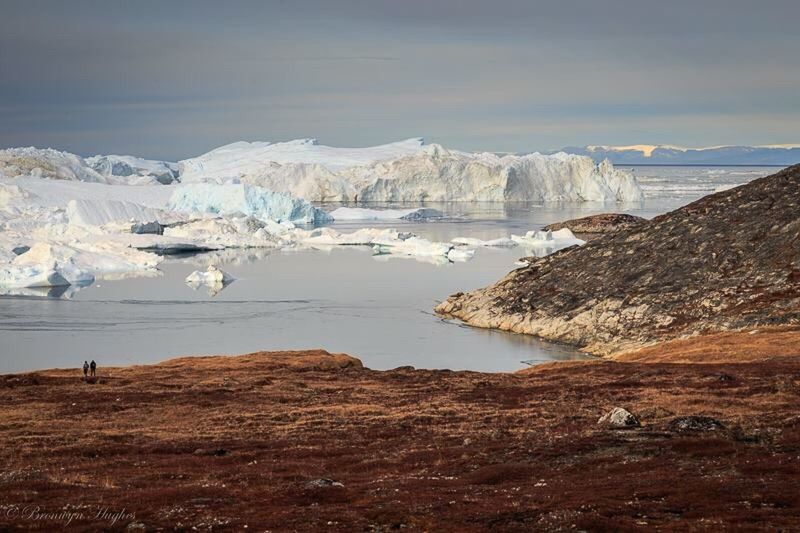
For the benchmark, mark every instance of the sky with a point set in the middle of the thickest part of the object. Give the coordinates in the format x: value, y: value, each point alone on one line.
x: 174, y: 79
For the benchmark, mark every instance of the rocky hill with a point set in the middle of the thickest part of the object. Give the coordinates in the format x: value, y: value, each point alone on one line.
x: 730, y: 260
x: 594, y: 224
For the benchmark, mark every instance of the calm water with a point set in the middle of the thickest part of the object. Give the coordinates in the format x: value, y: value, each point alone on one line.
x: 376, y: 308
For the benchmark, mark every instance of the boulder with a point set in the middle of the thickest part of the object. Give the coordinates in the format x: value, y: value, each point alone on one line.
x: 619, y: 418
x: 695, y: 423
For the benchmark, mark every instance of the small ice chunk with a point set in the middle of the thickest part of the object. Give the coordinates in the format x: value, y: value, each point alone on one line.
x: 413, y: 245
x: 460, y: 254
x: 211, y: 276
x: 557, y: 239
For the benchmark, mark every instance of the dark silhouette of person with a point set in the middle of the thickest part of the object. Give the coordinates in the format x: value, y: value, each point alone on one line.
x: 93, y: 367
x: 85, y: 369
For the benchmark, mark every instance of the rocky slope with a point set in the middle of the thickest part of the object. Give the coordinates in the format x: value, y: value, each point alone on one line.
x: 603, y: 223
x: 730, y: 260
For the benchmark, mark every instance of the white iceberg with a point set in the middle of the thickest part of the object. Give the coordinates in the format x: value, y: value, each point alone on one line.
x: 229, y: 232
x: 502, y: 242
x: 89, y: 212
x: 411, y: 245
x: 232, y: 199
x: 460, y: 254
x: 383, y: 242
x: 331, y: 237
x: 409, y: 171
x: 79, y: 261
x: 240, y: 159
x: 212, y: 275
x: 213, y: 278
x: 19, y: 277
x: 548, y: 239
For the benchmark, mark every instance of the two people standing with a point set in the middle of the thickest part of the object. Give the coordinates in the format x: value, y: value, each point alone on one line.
x: 87, y: 367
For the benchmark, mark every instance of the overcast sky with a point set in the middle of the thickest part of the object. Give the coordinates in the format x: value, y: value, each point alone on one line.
x: 172, y: 79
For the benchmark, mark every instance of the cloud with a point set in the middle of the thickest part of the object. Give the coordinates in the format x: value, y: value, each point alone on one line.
x: 171, y: 79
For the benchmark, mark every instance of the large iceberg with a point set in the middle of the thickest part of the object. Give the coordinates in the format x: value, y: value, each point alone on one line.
x: 409, y: 171
x: 232, y: 198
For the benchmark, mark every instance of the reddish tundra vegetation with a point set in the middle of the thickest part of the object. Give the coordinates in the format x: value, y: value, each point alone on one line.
x: 315, y: 441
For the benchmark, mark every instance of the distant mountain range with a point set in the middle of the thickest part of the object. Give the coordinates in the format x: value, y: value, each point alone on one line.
x: 646, y: 154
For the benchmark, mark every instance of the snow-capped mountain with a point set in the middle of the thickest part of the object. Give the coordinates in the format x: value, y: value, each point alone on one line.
x: 663, y: 154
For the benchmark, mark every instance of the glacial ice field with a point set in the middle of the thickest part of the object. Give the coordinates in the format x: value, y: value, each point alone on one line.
x: 124, y: 260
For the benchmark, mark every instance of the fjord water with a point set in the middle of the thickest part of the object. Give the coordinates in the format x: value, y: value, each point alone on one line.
x: 344, y: 300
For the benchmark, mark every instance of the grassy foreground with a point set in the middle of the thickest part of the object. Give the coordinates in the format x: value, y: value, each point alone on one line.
x: 314, y: 441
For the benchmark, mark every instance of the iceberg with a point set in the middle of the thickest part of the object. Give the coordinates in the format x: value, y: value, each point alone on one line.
x: 243, y: 158
x: 411, y: 245
x: 80, y: 260
x: 211, y: 276
x: 23, y: 277
x: 232, y: 199
x: 108, y: 169
x: 502, y: 242
x: 410, y: 171
x: 231, y: 232
x: 460, y: 254
x: 46, y: 163
x: 133, y: 170
x: 45, y: 265
x: 331, y: 237
x: 88, y: 212
x: 548, y: 239
x: 383, y: 242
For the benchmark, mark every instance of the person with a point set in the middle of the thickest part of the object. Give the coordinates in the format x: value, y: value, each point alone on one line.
x: 93, y: 367
x: 85, y: 369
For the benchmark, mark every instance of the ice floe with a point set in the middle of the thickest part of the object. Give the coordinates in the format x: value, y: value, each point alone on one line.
x: 210, y: 276
x: 360, y: 213
x: 502, y: 242
x: 549, y: 239
x: 214, y: 278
